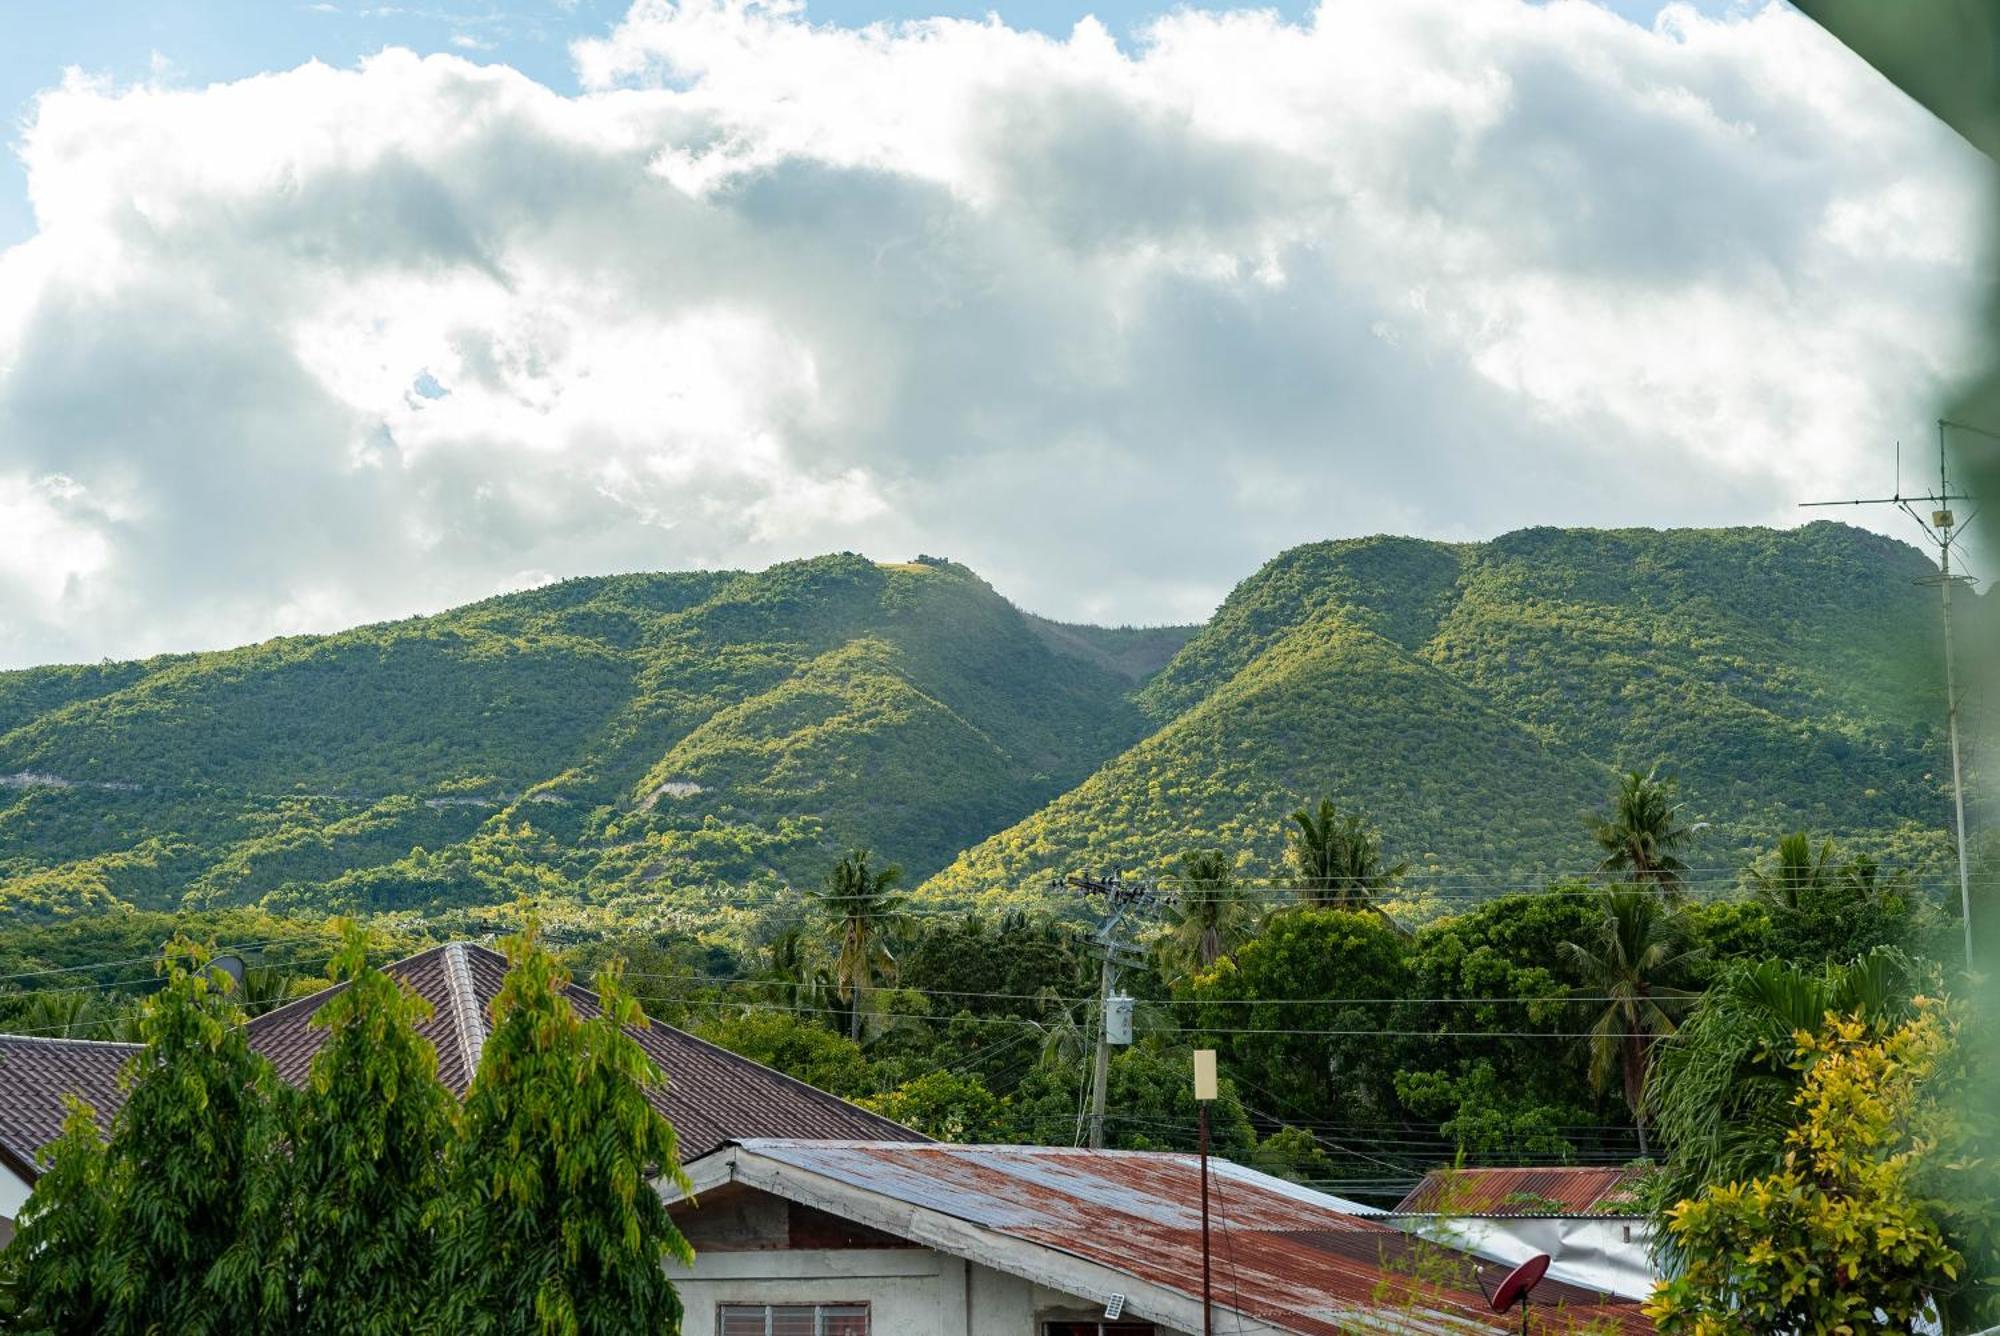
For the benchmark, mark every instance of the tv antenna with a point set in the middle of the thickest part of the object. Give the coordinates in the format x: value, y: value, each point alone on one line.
x: 1942, y: 526
x: 1120, y: 897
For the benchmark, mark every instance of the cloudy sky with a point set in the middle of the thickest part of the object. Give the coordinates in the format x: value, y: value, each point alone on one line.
x: 315, y: 314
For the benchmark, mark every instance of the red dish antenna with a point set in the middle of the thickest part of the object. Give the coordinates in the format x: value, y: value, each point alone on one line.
x: 1514, y: 1289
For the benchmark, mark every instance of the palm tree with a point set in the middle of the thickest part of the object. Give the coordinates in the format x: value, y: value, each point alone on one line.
x: 1338, y: 857
x: 862, y: 907
x: 1645, y: 832
x: 1639, y: 943
x: 1211, y: 915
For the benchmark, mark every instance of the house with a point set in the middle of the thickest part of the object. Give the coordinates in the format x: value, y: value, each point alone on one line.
x: 875, y: 1238
x: 1586, y: 1219
x: 711, y: 1095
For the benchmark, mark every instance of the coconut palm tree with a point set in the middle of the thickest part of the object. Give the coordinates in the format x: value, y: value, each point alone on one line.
x: 1338, y: 857
x: 1211, y: 915
x: 1639, y: 944
x: 862, y: 907
x: 1645, y: 832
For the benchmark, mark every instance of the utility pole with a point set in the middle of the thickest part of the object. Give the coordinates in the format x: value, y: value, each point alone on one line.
x: 1941, y: 526
x: 1205, y: 1090
x: 1120, y: 896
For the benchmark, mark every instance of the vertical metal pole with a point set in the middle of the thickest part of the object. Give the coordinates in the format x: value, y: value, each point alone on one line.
x: 1100, y: 1075
x: 1207, y: 1299
x: 1951, y: 707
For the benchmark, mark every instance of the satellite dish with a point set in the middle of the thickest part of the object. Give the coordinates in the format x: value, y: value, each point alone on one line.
x: 1514, y: 1289
x: 232, y: 966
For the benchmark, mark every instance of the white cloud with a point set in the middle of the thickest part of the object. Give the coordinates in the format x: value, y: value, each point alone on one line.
x: 1111, y: 325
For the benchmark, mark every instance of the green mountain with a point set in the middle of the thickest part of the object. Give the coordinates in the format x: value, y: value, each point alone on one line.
x: 590, y: 736
x: 1475, y: 700
x: 638, y: 742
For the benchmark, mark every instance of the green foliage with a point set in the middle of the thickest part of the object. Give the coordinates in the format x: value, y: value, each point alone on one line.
x: 1337, y: 858
x: 863, y: 913
x: 1828, y: 908
x: 1310, y: 971
x: 1629, y: 965
x: 1840, y: 1238
x: 947, y: 1105
x: 50, y: 1284
x: 556, y: 1225
x: 368, y: 1135
x: 797, y: 1047
x: 1644, y: 833
x: 1477, y: 700
x: 1726, y: 1081
x: 191, y: 1177
x: 1209, y: 915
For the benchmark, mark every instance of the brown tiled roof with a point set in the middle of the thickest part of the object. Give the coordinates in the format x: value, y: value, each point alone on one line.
x: 1597, y: 1190
x: 711, y: 1095
x: 35, y: 1074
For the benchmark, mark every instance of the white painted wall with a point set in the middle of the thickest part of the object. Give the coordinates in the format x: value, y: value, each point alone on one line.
x: 910, y: 1291
x: 13, y: 1196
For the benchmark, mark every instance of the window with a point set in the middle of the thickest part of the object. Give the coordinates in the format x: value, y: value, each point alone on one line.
x: 792, y: 1320
x: 1097, y: 1329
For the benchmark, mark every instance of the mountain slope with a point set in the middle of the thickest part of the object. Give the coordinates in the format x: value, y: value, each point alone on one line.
x: 1474, y: 700
x: 642, y: 740
x: 571, y: 732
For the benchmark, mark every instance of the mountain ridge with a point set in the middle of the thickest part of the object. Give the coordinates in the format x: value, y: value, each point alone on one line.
x: 626, y: 736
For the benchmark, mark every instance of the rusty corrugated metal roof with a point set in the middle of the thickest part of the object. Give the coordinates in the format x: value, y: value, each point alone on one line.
x: 1598, y: 1190
x: 1280, y: 1253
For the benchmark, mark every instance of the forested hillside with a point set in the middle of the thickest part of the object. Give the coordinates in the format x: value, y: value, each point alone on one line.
x: 594, y: 735
x: 1475, y: 701
x: 648, y: 739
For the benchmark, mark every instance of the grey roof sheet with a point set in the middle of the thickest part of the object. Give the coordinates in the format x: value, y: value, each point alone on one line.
x: 36, y: 1073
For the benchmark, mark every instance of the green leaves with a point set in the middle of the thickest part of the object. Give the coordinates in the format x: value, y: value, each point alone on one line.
x: 365, y: 1203
x: 1840, y: 1238
x: 555, y: 1226
x: 368, y: 1137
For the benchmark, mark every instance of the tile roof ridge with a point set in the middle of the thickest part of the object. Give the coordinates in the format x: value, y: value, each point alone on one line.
x: 58, y: 1039
x: 467, y: 1016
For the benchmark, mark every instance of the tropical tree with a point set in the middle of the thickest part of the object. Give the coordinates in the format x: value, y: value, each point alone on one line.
x: 1725, y: 1082
x: 49, y: 1281
x: 1842, y: 1236
x: 555, y: 1225
x: 1210, y: 915
x: 864, y: 910
x: 1639, y: 945
x: 192, y: 1181
x: 1337, y: 857
x: 1823, y: 906
x: 368, y: 1138
x: 1645, y: 832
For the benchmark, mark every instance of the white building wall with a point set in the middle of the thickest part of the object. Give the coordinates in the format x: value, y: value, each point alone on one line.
x: 909, y: 1291
x: 13, y: 1196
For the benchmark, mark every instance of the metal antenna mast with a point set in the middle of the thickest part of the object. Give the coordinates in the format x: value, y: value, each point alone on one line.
x: 1941, y: 526
x: 1120, y: 897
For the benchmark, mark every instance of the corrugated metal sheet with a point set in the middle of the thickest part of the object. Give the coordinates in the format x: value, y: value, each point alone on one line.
x: 1280, y: 1253
x: 1603, y: 1190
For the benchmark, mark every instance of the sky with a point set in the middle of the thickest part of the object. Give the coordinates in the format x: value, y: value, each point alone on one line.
x: 318, y: 314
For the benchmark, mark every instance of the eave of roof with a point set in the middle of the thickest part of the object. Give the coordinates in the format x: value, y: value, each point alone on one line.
x: 1098, y: 1223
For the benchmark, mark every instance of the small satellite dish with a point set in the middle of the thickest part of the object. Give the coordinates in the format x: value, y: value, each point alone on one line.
x: 233, y: 967
x: 1514, y: 1289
